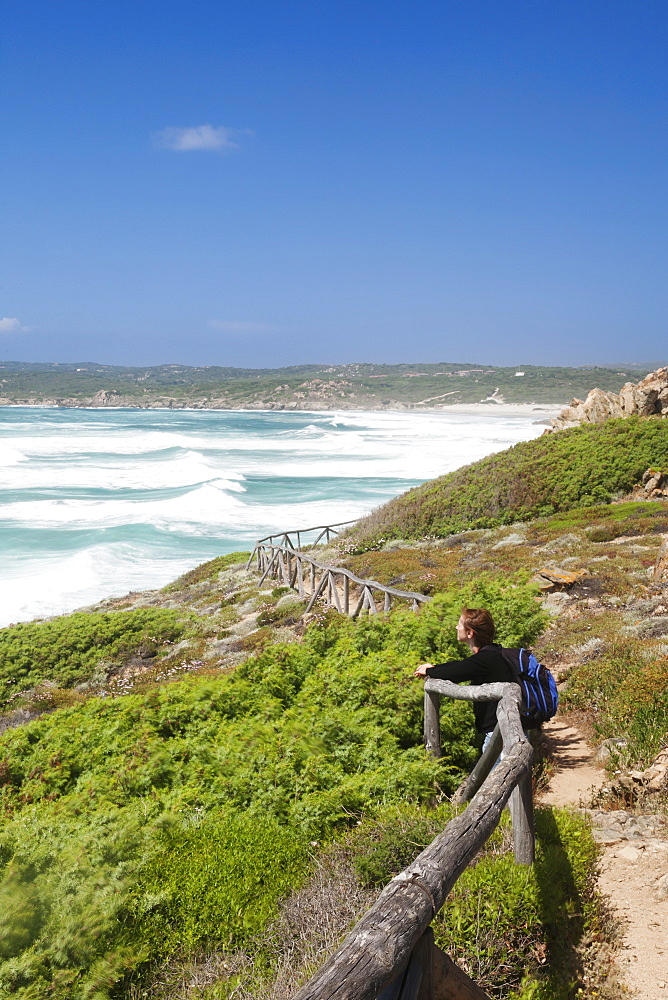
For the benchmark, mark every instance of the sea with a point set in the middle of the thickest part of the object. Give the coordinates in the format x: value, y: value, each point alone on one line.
x: 97, y: 503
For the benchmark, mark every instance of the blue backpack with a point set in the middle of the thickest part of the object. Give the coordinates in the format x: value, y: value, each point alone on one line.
x: 539, y: 690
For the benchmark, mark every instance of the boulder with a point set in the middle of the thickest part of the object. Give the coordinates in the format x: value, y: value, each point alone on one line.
x: 646, y: 398
x: 656, y: 775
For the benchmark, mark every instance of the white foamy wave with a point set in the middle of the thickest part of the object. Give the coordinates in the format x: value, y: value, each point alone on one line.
x: 203, y: 511
x: 208, y: 505
x: 10, y: 456
x: 108, y: 472
x: 310, y: 431
x: 101, y: 503
x: 56, y: 586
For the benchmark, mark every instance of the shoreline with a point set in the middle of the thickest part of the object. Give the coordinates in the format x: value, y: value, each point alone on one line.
x: 507, y: 409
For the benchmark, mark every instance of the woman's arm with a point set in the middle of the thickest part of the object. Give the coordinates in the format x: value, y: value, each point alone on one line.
x: 453, y: 670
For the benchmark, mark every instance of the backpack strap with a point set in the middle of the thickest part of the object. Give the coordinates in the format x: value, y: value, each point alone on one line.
x: 513, y: 658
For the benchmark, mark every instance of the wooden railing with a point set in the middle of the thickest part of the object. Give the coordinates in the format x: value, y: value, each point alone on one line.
x: 390, y: 954
x: 332, y: 585
x: 293, y: 539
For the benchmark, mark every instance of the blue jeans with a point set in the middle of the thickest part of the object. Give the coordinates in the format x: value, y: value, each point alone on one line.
x: 485, y: 744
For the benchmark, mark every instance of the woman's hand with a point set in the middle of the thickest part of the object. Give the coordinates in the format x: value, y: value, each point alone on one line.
x: 421, y: 671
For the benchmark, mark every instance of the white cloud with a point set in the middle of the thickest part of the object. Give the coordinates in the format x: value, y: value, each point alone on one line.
x: 238, y: 326
x: 197, y: 137
x: 10, y: 324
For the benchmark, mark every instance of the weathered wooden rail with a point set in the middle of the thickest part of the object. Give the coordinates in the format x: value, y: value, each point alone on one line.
x: 294, y: 538
x: 333, y: 585
x: 390, y: 953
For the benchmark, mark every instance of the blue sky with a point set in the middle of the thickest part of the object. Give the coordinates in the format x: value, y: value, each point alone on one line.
x: 260, y: 183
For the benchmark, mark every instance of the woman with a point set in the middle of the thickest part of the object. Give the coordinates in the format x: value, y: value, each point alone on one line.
x: 485, y: 665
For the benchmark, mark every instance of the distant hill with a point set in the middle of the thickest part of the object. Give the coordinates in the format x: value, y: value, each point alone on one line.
x: 556, y: 472
x: 304, y: 387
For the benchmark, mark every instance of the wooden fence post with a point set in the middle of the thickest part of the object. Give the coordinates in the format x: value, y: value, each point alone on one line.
x: 450, y: 982
x: 335, y: 593
x: 432, y: 726
x: 416, y: 982
x: 521, y: 811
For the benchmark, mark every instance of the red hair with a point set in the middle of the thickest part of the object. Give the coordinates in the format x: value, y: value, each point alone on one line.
x: 481, y: 624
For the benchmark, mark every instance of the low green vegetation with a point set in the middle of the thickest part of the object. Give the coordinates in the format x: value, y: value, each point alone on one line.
x: 517, y: 931
x: 581, y: 467
x: 585, y: 539
x: 206, y: 571
x: 605, y: 523
x: 362, y: 386
x: 511, y: 928
x: 627, y: 691
x: 70, y: 649
x: 135, y: 823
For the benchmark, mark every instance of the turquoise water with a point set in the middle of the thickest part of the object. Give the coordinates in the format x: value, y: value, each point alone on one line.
x: 99, y: 502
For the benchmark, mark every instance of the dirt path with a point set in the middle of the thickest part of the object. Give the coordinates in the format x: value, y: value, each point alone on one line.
x: 576, y: 776
x: 634, y: 862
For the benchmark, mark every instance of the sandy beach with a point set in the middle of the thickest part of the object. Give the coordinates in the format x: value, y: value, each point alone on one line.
x: 542, y: 411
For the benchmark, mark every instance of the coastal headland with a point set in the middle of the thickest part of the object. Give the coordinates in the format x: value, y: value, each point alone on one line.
x: 420, y: 387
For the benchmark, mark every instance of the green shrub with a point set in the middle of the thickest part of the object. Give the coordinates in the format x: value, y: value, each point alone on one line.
x: 629, y: 695
x: 403, y: 834
x: 134, y: 823
x: 68, y: 649
x: 510, y: 925
x: 580, y: 467
x: 217, y: 880
x: 273, y: 615
x: 206, y: 571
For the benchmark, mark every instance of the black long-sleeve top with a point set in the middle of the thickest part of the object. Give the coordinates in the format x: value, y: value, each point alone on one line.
x: 487, y: 666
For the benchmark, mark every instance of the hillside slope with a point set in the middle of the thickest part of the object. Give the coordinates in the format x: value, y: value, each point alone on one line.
x: 303, y: 387
x: 201, y: 801
x: 556, y: 472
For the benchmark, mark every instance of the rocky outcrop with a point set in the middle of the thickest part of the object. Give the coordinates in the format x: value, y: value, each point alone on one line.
x: 647, y: 398
x: 106, y: 397
x: 654, y: 486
